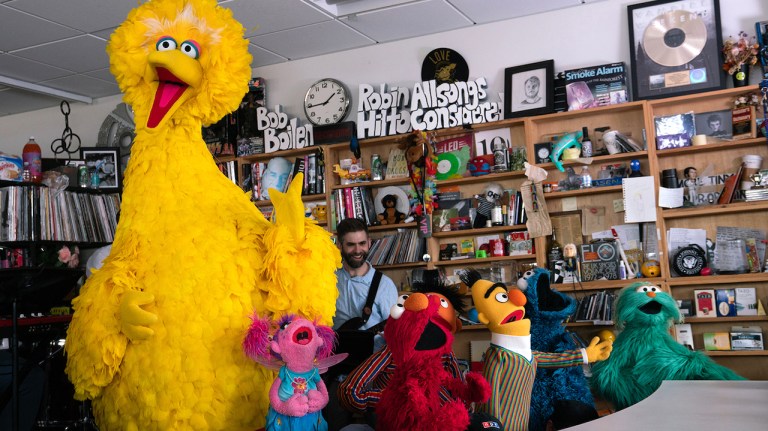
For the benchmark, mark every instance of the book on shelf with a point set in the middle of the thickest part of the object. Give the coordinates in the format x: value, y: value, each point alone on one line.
x: 684, y: 335
x: 726, y: 196
x: 705, y: 302
x: 746, y: 301
x: 717, y: 341
x: 725, y: 302
x: 746, y: 338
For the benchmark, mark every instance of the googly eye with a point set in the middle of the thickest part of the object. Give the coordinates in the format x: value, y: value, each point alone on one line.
x: 646, y: 289
x: 166, y: 43
x: 443, y: 303
x: 398, y: 309
x: 502, y: 297
x: 190, y: 48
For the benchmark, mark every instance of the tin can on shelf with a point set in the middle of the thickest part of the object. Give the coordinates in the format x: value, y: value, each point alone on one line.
x: 377, y: 173
x: 83, y: 178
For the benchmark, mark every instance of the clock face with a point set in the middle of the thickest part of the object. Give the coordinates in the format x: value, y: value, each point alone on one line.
x: 326, y: 102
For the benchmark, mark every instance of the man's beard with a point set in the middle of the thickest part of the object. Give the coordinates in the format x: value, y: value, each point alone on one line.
x: 354, y: 262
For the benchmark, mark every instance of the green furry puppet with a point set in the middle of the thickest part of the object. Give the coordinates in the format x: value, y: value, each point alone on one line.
x: 644, y: 353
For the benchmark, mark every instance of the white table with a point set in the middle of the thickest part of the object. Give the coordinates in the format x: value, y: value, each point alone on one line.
x: 693, y: 405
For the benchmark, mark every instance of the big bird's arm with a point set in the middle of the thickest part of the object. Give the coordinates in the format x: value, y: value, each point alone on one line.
x: 299, y: 260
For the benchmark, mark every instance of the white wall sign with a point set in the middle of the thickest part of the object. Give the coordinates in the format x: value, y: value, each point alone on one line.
x: 390, y: 112
x: 280, y: 132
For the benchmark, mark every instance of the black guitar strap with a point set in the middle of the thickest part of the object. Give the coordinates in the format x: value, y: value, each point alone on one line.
x: 368, y: 308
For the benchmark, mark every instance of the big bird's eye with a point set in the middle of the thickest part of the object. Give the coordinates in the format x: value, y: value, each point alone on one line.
x: 166, y: 43
x: 502, y: 297
x: 398, y: 309
x: 190, y: 48
x: 645, y: 289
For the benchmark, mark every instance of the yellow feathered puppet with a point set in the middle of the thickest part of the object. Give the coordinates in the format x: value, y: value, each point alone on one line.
x: 155, y: 340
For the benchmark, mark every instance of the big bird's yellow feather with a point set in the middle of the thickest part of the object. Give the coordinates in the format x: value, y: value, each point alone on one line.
x: 155, y: 340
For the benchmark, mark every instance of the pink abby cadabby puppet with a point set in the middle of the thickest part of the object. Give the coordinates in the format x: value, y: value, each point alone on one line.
x: 301, y: 350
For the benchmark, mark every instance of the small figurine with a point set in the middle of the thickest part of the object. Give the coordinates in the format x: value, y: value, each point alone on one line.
x: 485, y: 203
x: 690, y: 182
x: 571, y: 257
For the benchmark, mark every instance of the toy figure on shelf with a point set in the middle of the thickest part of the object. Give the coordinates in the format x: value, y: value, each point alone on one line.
x: 390, y: 215
x: 485, y: 203
x: 422, y: 168
x: 690, y: 174
x: 645, y: 353
x: 301, y: 350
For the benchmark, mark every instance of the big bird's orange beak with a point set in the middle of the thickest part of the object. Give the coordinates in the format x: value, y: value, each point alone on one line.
x: 175, y: 75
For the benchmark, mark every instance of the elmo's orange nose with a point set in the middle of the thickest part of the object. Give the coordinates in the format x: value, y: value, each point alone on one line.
x: 416, y: 302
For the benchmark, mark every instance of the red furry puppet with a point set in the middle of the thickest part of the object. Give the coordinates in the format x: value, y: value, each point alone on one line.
x: 418, y: 337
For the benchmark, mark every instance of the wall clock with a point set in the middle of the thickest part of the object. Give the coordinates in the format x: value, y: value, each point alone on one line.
x: 326, y: 102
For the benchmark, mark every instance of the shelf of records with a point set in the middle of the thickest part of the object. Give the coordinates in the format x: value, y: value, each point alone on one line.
x: 404, y: 247
x: 260, y: 174
x: 739, y: 341
x: 37, y: 213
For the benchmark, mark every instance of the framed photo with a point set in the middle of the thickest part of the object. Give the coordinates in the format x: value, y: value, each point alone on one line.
x: 717, y: 124
x: 104, y: 162
x: 529, y: 89
x: 675, y: 46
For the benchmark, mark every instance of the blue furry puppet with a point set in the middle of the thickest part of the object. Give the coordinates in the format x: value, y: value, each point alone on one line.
x: 547, y: 309
x: 644, y: 353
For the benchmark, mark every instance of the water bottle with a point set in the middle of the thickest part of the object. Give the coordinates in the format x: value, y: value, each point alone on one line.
x: 586, y: 178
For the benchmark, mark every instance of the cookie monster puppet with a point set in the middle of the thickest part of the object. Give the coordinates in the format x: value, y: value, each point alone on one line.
x: 547, y: 309
x: 644, y: 353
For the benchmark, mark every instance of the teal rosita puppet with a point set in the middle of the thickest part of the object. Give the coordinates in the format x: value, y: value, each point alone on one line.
x: 644, y: 353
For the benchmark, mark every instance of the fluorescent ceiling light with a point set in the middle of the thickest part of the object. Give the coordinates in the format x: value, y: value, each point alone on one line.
x: 48, y: 91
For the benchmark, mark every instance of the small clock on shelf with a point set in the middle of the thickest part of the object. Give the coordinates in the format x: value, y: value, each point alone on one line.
x: 326, y: 102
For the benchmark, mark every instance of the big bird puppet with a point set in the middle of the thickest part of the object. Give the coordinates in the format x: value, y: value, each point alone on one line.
x: 155, y: 340
x: 645, y: 353
x: 510, y: 363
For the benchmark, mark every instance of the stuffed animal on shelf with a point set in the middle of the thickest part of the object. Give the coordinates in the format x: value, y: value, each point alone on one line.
x: 547, y: 309
x: 156, y: 335
x: 510, y: 362
x: 301, y: 350
x: 645, y: 354
x: 390, y: 215
x: 418, y: 337
x: 422, y: 168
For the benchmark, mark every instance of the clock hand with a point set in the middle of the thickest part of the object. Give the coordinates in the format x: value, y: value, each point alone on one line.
x: 322, y: 103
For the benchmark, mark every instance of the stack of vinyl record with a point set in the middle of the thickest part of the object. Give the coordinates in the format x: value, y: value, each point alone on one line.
x: 756, y: 194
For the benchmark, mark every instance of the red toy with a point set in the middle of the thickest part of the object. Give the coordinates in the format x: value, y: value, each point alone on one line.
x: 418, y: 337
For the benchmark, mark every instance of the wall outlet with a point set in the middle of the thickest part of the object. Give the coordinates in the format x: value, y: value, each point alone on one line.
x: 618, y: 205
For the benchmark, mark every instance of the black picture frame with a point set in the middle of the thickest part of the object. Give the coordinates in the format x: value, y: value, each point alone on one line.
x: 704, y: 122
x: 516, y: 102
x: 663, y: 35
x: 105, y: 161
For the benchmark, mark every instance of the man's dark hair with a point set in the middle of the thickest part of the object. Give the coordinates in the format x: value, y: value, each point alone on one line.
x: 349, y: 225
x: 713, y: 117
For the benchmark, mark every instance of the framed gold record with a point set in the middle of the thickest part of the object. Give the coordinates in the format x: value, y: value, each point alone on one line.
x: 675, y: 47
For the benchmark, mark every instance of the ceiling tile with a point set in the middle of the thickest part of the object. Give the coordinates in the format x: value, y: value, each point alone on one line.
x: 27, y: 70
x: 262, y: 57
x: 104, y: 34
x: 78, y: 54
x: 85, y: 15
x: 497, y: 10
x: 84, y: 85
x: 102, y: 74
x: 311, y: 40
x: 20, y: 30
x: 402, y: 22
x: 267, y: 16
x: 14, y: 101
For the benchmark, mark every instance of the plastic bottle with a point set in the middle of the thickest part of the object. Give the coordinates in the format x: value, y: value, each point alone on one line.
x: 586, y: 144
x: 586, y: 178
x: 32, y: 160
x: 622, y: 270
